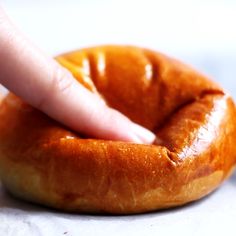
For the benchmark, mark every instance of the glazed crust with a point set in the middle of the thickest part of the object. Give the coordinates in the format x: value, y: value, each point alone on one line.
x: 194, y: 120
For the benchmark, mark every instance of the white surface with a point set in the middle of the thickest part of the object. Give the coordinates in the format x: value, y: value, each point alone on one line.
x: 202, y: 33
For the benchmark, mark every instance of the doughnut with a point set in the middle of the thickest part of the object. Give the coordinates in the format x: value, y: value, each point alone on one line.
x: 194, y: 120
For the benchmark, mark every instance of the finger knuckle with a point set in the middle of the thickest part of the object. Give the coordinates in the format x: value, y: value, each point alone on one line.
x: 60, y: 84
x: 62, y: 81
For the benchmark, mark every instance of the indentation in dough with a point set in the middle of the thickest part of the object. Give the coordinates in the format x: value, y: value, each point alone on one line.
x: 86, y: 76
x: 207, y: 132
x: 81, y: 72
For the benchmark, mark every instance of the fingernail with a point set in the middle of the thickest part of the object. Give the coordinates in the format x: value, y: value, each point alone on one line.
x: 143, y: 135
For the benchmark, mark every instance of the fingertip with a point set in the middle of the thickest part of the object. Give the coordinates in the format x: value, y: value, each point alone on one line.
x: 121, y: 128
x: 143, y: 134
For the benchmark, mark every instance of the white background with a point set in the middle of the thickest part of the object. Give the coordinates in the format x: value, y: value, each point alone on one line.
x: 201, y: 33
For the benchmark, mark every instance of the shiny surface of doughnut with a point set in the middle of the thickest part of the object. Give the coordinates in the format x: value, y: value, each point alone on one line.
x: 194, y: 119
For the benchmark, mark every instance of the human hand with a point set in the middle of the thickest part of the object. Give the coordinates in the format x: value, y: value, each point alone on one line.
x: 43, y: 83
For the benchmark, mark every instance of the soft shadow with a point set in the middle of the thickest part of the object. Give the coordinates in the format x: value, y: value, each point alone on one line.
x: 232, y: 179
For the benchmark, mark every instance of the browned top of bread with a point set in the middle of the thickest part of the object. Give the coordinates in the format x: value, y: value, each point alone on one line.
x: 193, y: 118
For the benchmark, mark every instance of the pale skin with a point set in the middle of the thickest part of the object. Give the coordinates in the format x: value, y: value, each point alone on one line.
x: 43, y: 83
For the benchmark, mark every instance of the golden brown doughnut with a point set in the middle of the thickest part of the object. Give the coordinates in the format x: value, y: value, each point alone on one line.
x: 194, y: 119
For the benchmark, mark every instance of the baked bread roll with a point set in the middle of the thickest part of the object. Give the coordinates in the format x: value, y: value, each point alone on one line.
x: 194, y: 120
